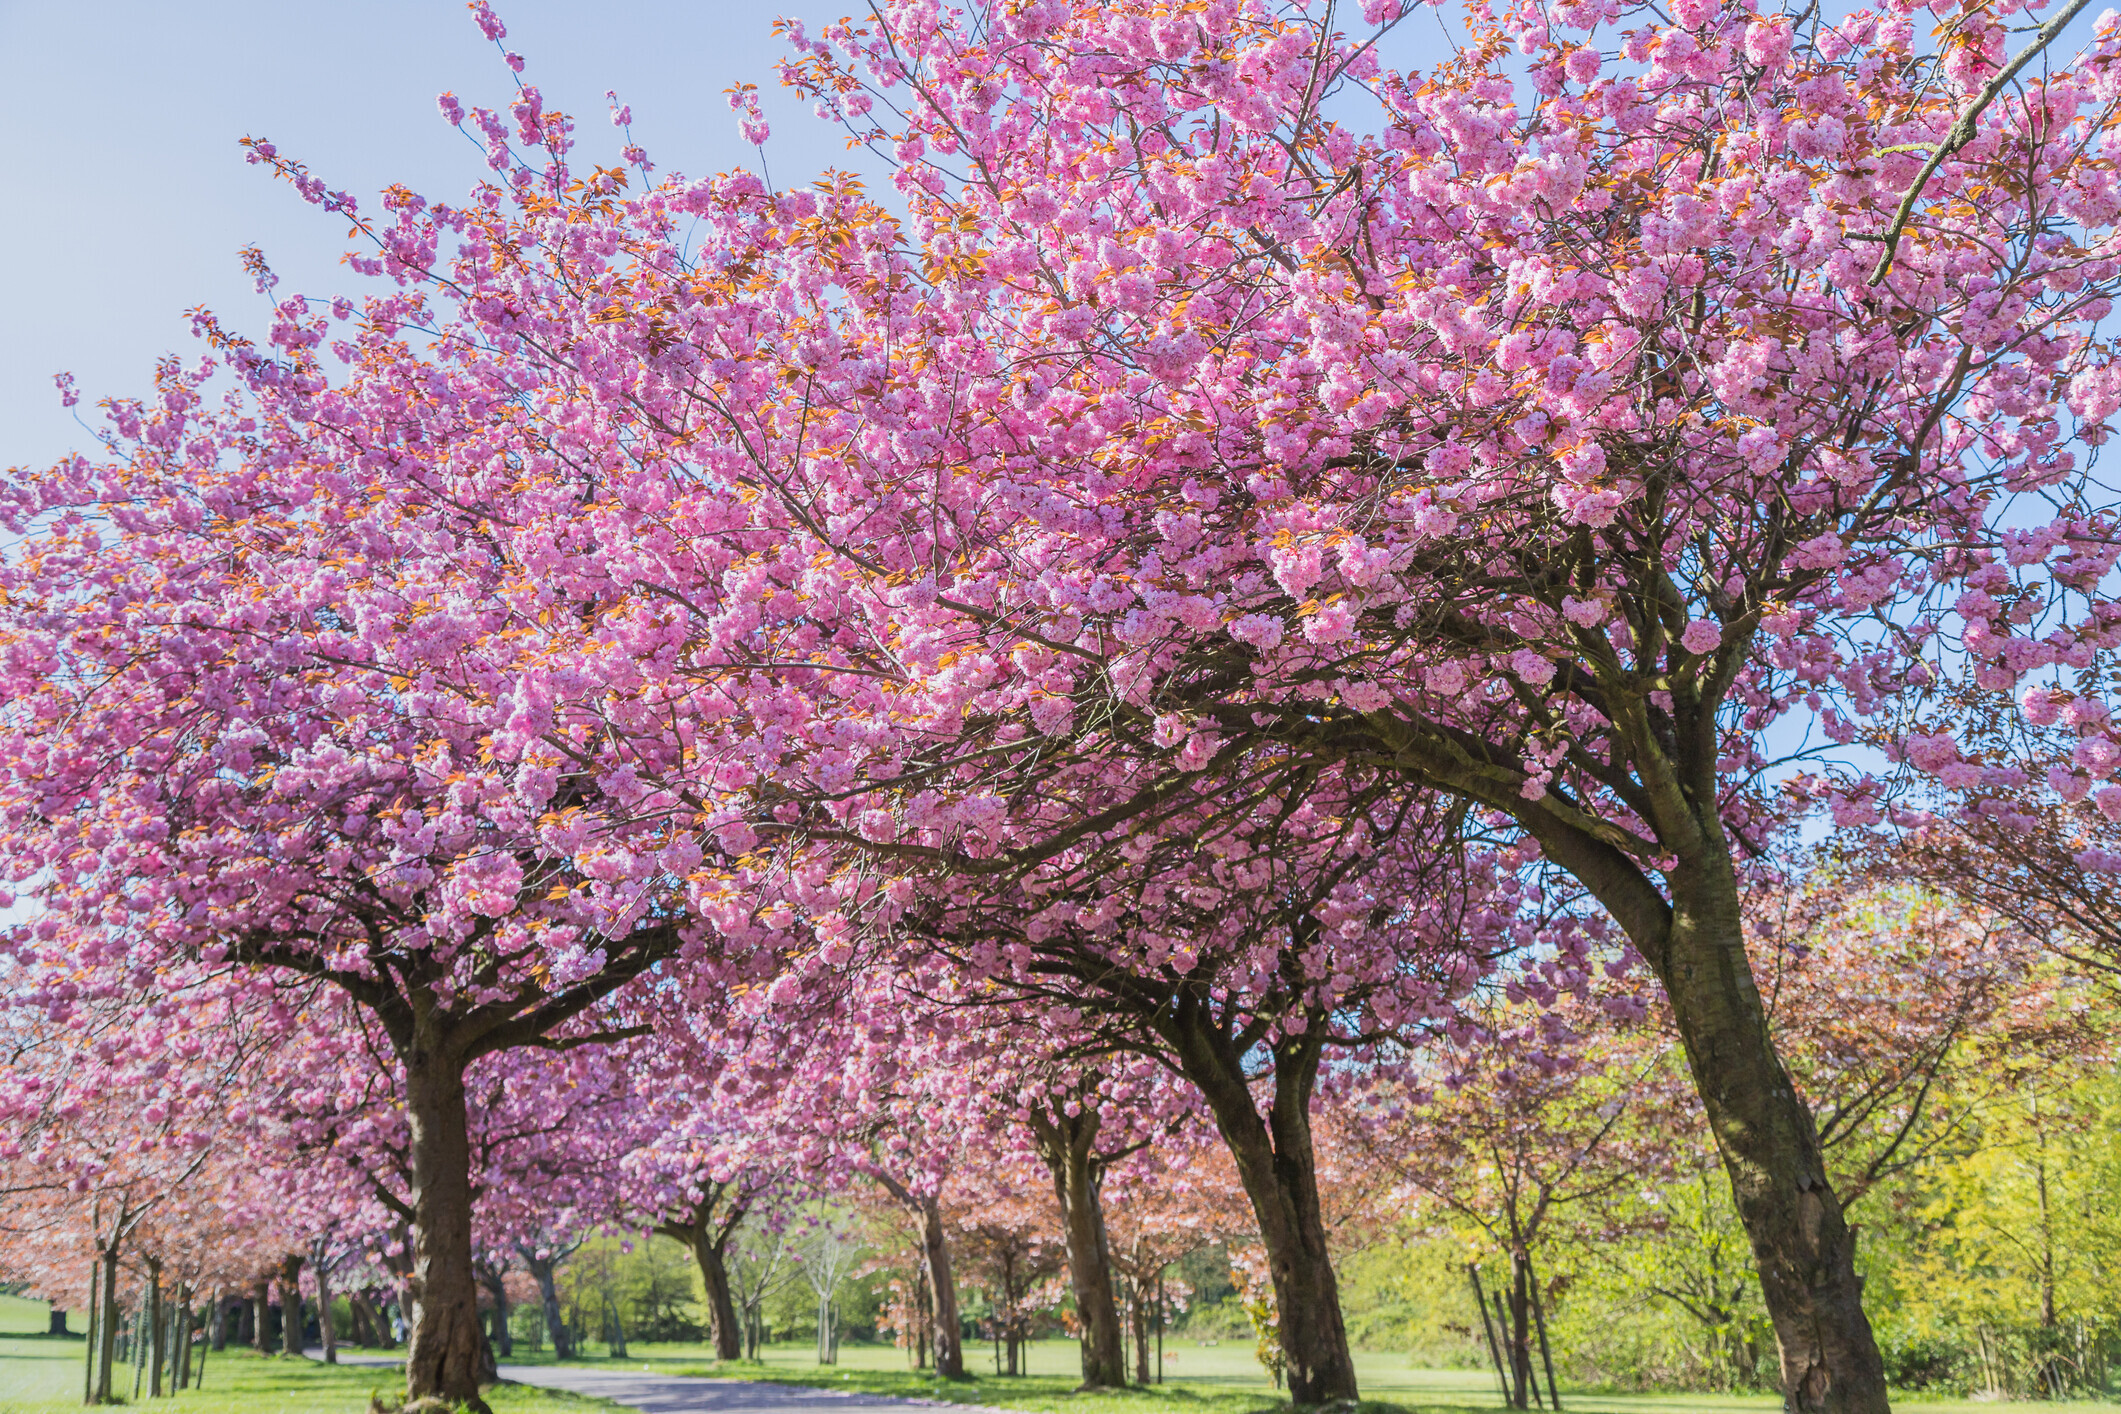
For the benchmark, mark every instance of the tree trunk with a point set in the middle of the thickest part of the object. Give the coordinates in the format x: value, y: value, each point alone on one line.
x: 180, y: 1360
x: 1692, y: 934
x: 1539, y: 1324
x: 549, y: 1302
x: 443, y: 1359
x: 107, y: 1326
x: 495, y: 1280
x: 291, y: 1322
x: 1278, y: 1166
x: 261, y: 1332
x: 1138, y: 1310
x: 721, y: 1307
x: 157, y: 1336
x: 217, y: 1338
x: 1067, y: 1143
x: 698, y: 1237
x: 1801, y: 1240
x: 942, y: 1292
x: 1520, y: 1328
x: 919, y: 1314
x: 95, y: 1305
x: 327, y: 1334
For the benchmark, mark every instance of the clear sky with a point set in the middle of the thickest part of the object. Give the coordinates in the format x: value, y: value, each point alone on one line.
x: 124, y: 197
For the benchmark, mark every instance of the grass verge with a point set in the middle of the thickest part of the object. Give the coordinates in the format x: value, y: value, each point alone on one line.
x: 41, y: 1375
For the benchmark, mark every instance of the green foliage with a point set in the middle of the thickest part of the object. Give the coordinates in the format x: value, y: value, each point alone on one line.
x: 526, y: 1327
x: 2004, y: 1273
x: 1205, y: 1273
x: 650, y: 1283
x: 1412, y: 1297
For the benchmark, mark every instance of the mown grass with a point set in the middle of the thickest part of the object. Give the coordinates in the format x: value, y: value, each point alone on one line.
x: 41, y: 1374
x: 1199, y: 1379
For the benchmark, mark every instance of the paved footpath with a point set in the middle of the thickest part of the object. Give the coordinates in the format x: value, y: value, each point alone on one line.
x: 690, y: 1394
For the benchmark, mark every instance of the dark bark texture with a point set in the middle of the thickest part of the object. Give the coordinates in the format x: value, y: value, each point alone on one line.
x: 1068, y: 1144
x: 443, y: 1358
x: 942, y: 1293
x: 704, y: 1231
x: 1800, y: 1236
x: 549, y: 1304
x: 1278, y: 1165
x: 291, y: 1304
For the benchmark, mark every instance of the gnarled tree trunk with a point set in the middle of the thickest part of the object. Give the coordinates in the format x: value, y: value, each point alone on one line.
x: 1278, y: 1166
x: 1067, y: 1143
x: 1801, y: 1240
x: 721, y: 1306
x: 443, y: 1358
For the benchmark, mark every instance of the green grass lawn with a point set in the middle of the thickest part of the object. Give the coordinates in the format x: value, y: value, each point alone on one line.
x: 1198, y: 1379
x: 42, y: 1375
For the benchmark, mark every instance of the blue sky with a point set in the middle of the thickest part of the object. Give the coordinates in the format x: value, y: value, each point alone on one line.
x: 127, y: 197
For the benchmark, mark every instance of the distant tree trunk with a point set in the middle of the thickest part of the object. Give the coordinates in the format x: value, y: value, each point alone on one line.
x: 326, y: 1332
x: 217, y: 1332
x: 1138, y: 1309
x: 181, y: 1360
x: 107, y: 1326
x: 157, y: 1337
x: 444, y: 1358
x: 291, y: 1304
x: 918, y: 1315
x: 942, y: 1290
x: 55, y: 1323
x: 495, y: 1280
x: 262, y: 1333
x: 1277, y: 1164
x: 1067, y: 1143
x: 95, y: 1304
x: 706, y: 1236
x: 549, y: 1300
x: 364, y: 1320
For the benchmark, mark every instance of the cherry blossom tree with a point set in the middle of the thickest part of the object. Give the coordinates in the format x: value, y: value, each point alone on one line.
x: 1500, y: 446
x: 1541, y: 433
x: 282, y: 793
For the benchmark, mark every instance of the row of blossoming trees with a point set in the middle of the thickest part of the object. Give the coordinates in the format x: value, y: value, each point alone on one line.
x: 1244, y: 553
x: 1545, y: 1136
